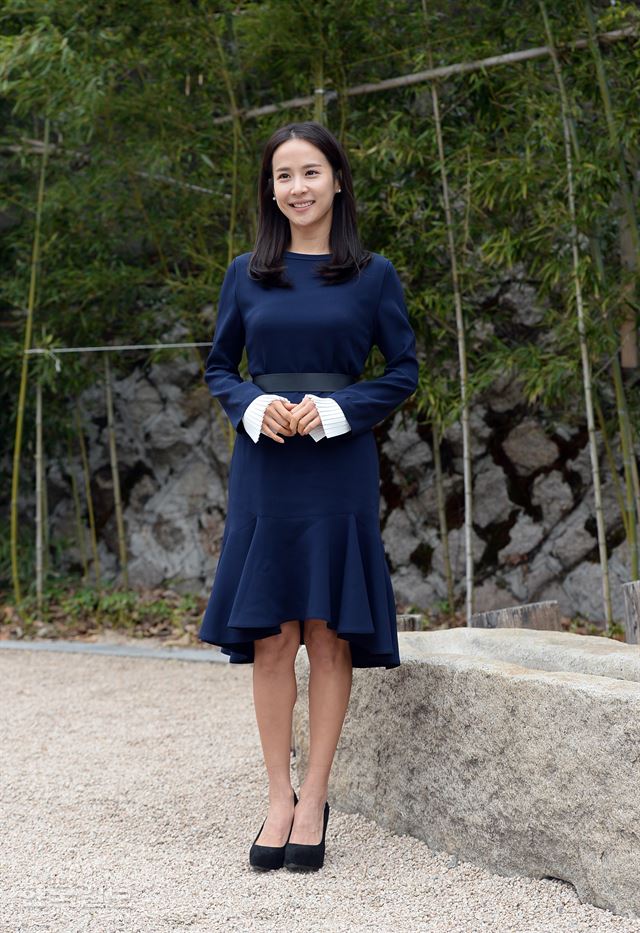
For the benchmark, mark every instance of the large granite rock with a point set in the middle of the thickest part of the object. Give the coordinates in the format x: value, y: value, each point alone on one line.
x: 512, y: 748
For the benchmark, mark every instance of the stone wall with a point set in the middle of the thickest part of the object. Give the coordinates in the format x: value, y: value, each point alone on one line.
x: 534, y: 529
x: 534, y: 535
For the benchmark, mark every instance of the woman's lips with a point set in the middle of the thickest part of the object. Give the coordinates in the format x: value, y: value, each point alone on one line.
x: 305, y: 208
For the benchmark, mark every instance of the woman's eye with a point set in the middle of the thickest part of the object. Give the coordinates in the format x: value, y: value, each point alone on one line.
x: 284, y: 175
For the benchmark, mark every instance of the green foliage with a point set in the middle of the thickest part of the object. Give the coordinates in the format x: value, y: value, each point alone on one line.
x: 70, y: 609
x: 138, y: 215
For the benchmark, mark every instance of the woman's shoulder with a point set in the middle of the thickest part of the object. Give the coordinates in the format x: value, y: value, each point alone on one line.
x: 379, y: 261
x: 243, y: 258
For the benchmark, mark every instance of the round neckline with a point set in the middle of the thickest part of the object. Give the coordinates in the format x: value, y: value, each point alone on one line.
x: 289, y: 252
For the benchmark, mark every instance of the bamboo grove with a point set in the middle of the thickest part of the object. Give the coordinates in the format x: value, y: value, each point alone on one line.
x: 130, y: 139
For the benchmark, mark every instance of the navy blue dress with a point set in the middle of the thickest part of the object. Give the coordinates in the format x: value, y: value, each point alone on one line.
x: 302, y: 535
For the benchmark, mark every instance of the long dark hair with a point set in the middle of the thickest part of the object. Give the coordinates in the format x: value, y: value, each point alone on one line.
x: 274, y: 232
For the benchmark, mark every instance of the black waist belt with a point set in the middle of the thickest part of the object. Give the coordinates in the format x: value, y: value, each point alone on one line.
x: 297, y: 382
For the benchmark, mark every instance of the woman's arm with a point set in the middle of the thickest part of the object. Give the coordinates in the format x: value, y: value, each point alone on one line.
x: 221, y: 368
x: 368, y: 402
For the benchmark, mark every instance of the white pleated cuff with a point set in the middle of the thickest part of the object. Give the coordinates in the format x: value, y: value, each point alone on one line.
x: 332, y: 417
x: 254, y: 414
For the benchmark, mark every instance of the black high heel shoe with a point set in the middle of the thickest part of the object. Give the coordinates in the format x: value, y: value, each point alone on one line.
x: 265, y: 858
x: 300, y: 857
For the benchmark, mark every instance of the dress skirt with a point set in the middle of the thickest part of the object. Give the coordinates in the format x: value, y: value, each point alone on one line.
x: 302, y: 541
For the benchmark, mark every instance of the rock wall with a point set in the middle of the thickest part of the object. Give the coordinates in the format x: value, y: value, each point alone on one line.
x: 174, y: 445
x: 534, y: 532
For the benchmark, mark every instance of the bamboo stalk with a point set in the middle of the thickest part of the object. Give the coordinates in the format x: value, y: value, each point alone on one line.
x: 636, y: 491
x: 584, y: 350
x: 78, y: 514
x: 422, y: 77
x: 22, y: 391
x: 630, y: 508
x: 34, y: 147
x: 614, y: 136
x: 46, y: 550
x: 113, y: 453
x: 109, y: 348
x: 462, y: 353
x: 629, y: 231
x: 87, y: 491
x: 39, y: 503
x: 318, y: 86
x: 628, y: 330
x: 236, y: 136
x: 617, y: 485
x: 442, y: 514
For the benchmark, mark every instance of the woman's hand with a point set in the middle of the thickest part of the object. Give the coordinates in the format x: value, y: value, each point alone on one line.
x: 304, y: 416
x: 276, y: 420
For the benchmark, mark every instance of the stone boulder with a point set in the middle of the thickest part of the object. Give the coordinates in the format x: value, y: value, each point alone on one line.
x: 511, y: 748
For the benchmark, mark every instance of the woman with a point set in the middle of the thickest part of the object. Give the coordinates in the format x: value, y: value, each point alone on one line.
x: 302, y: 560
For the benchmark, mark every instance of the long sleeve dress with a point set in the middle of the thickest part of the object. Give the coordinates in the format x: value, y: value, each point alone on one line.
x: 302, y: 534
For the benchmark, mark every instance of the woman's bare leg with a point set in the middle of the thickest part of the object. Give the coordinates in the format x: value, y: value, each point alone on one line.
x: 330, y: 677
x: 274, y: 696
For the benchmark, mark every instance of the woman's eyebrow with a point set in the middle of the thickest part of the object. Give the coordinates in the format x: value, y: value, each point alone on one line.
x: 285, y: 168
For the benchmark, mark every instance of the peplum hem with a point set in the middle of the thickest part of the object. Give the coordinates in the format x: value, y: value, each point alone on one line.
x: 275, y: 568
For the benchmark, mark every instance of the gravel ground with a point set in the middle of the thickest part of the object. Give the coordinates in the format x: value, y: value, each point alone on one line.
x: 131, y: 792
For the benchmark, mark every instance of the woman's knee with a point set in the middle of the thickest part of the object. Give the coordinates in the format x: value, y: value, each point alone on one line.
x: 279, y: 649
x: 324, y: 647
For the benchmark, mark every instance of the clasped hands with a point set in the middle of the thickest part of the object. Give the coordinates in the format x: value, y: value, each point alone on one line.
x: 289, y: 418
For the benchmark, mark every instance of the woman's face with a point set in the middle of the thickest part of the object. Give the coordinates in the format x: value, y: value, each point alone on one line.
x: 302, y: 174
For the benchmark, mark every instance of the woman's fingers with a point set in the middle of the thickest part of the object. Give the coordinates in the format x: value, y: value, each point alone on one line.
x: 276, y: 420
x: 307, y: 417
x: 309, y: 420
x: 281, y: 413
x: 289, y: 418
x: 305, y: 425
